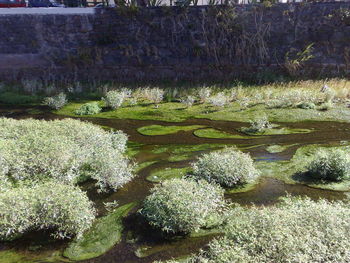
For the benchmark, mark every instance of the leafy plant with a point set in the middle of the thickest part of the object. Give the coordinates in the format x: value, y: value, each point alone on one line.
x: 204, y: 94
x: 50, y: 205
x: 330, y: 165
x: 88, y: 109
x: 258, y: 124
x: 188, y: 101
x: 114, y: 99
x: 56, y: 102
x: 219, y: 100
x: 154, y: 95
x: 228, y: 167
x: 184, y: 206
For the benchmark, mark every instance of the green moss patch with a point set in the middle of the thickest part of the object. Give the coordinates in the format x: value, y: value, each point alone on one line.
x: 169, y: 173
x: 241, y: 188
x: 216, y: 134
x: 163, y: 130
x: 278, y: 148
x: 105, y: 233
x: 175, y: 112
x: 181, y: 149
x: 274, y: 131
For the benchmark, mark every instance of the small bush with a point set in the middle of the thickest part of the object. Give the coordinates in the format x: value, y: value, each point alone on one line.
x: 330, y: 165
x: 56, y: 102
x: 188, y: 101
x: 88, y: 109
x: 325, y: 106
x: 204, y: 94
x: 259, y: 124
x: 228, y: 167
x: 154, y: 95
x: 306, y: 105
x: 219, y: 100
x: 114, y: 99
x: 51, y: 205
x: 296, y: 230
x: 66, y: 150
x: 184, y: 206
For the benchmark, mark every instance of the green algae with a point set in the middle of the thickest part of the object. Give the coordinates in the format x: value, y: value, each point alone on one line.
x: 278, y: 148
x: 104, y: 234
x: 216, y: 134
x: 274, y: 131
x: 12, y: 256
x: 242, y: 188
x: 174, y: 112
x: 179, y: 157
x: 168, y: 173
x: 143, y: 165
x: 133, y: 148
x: 152, y: 130
x: 294, y: 171
x: 181, y: 149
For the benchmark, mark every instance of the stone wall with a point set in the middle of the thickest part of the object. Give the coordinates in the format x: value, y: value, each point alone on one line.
x: 174, y: 43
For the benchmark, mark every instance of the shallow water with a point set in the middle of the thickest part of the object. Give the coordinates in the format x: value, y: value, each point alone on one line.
x: 267, y: 191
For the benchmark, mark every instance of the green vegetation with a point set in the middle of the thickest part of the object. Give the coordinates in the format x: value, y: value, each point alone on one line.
x: 56, y: 102
x: 18, y: 99
x: 51, y: 205
x: 184, y: 206
x: 104, y: 234
x: 330, y: 165
x: 216, y: 134
x: 278, y: 148
x: 163, y: 130
x: 296, y: 170
x: 63, y: 149
x: 184, y: 148
x: 279, y: 102
x: 168, y: 173
x: 88, y: 109
x: 229, y: 168
x: 114, y: 99
x: 295, y: 230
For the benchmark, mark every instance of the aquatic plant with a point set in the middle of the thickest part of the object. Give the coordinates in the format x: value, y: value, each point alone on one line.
x: 330, y: 165
x: 88, y: 109
x: 114, y: 99
x: 56, y: 102
x: 228, y: 167
x: 184, y: 206
x: 295, y: 230
x: 204, y: 94
x: 65, y: 209
x: 67, y: 150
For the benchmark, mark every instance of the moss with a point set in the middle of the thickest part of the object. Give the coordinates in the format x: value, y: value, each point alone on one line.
x: 169, y: 173
x: 141, y: 166
x: 181, y: 149
x: 179, y: 157
x: 133, y: 148
x: 175, y: 112
x: 105, y: 233
x: 163, y: 130
x: 216, y: 134
x: 293, y: 171
x: 241, y: 188
x: 278, y: 148
x: 9, y: 256
x: 12, y: 256
x: 274, y: 131
x: 17, y: 99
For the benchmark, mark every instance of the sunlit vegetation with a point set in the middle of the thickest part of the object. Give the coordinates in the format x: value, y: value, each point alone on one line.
x: 229, y: 168
x: 184, y: 206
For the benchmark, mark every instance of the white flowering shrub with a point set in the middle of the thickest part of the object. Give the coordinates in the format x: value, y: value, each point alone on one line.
x: 258, y: 124
x: 228, y: 167
x: 154, y: 95
x: 183, y: 205
x: 66, y: 150
x: 330, y: 165
x: 188, y: 101
x: 56, y: 102
x: 219, y: 100
x: 88, y: 109
x: 50, y: 205
x: 114, y: 99
x: 204, y: 94
x: 296, y: 230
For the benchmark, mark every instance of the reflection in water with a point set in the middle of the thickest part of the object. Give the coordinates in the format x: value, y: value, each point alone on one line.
x: 266, y: 192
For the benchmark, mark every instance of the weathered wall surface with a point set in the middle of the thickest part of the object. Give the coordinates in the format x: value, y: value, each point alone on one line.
x: 171, y: 43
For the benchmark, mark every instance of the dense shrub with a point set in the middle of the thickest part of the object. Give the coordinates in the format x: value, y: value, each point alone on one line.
x: 182, y: 205
x: 56, y: 102
x: 330, y: 165
x: 63, y: 149
x: 114, y: 99
x: 219, y: 100
x: 188, y: 101
x: 306, y: 105
x: 204, y: 94
x: 296, y: 230
x: 258, y: 124
x: 229, y: 168
x: 154, y: 95
x: 50, y: 205
x: 88, y: 109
